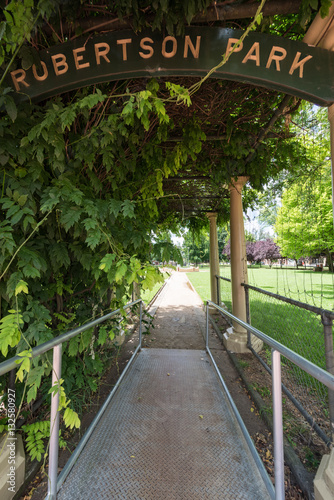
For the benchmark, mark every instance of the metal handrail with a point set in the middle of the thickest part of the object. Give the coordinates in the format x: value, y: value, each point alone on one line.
x: 277, y: 350
x: 314, y: 370
x: 11, y: 363
x: 56, y: 345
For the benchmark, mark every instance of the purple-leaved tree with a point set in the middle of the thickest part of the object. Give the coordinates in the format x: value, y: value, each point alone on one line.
x: 227, y: 250
x: 267, y: 249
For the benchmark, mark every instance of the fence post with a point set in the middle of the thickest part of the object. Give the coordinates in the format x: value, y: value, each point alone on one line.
x: 218, y: 290
x: 54, y: 425
x: 249, y: 343
x: 328, y: 338
x: 140, y: 322
x: 207, y: 326
x: 278, y: 424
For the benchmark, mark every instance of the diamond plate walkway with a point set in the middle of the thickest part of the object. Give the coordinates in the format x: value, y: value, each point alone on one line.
x: 168, y: 434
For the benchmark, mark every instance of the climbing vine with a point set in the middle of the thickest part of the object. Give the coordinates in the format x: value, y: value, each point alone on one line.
x: 82, y: 190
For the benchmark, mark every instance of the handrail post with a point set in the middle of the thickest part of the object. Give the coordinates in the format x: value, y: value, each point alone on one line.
x: 249, y: 342
x: 207, y: 326
x: 329, y: 355
x: 218, y: 290
x: 140, y: 322
x: 54, y: 425
x: 278, y: 425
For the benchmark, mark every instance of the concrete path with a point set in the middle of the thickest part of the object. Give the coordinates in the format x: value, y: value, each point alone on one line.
x: 169, y: 432
x: 179, y: 319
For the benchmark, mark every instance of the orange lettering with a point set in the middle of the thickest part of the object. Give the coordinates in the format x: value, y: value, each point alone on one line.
x: 299, y: 64
x: 275, y: 57
x: 146, y: 47
x: 45, y: 72
x: 188, y: 44
x: 18, y: 76
x: 231, y: 46
x: 124, y: 43
x: 101, y: 53
x: 78, y: 58
x: 174, y: 49
x: 250, y: 56
x: 59, y: 61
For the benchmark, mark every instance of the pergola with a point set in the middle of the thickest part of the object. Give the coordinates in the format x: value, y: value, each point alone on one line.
x: 261, y: 69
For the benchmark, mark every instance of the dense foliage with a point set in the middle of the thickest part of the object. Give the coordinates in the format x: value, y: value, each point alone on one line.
x: 196, y: 245
x: 304, y: 224
x: 257, y: 251
x: 82, y: 186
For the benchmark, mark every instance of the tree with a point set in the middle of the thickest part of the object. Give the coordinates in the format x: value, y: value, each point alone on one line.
x: 250, y: 251
x: 266, y: 250
x: 164, y: 250
x: 226, y: 252
x: 196, y: 246
x: 304, y: 224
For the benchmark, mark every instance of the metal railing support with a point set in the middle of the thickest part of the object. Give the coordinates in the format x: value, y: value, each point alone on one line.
x: 315, y: 371
x: 56, y: 345
x: 11, y: 363
x: 54, y: 424
x: 249, y: 341
x: 297, y: 403
x: 327, y: 322
x: 207, y: 329
x: 218, y: 290
x: 278, y: 425
x: 234, y: 408
x: 140, y: 323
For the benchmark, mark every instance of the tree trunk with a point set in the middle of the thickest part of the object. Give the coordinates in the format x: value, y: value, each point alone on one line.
x: 330, y: 261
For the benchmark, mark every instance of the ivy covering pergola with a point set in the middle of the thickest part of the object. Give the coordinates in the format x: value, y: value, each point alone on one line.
x: 89, y: 171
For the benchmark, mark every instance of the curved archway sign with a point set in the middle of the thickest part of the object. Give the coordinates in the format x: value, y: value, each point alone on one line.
x: 264, y: 60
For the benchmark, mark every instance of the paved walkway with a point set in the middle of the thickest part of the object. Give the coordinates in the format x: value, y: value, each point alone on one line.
x: 179, y: 319
x: 168, y: 433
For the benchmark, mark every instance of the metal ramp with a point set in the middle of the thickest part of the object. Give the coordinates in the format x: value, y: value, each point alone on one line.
x: 168, y: 433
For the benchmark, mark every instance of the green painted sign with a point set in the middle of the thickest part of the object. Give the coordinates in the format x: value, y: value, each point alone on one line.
x: 264, y: 60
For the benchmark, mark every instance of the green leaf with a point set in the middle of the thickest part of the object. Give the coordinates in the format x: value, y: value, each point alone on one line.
x: 120, y: 271
x: 11, y: 108
x: 22, y: 286
x: 115, y: 207
x: 128, y: 209
x: 70, y: 217
x: 22, y: 199
x: 71, y: 418
x: 107, y: 262
x: 93, y: 238
x: 73, y: 346
x: 103, y: 333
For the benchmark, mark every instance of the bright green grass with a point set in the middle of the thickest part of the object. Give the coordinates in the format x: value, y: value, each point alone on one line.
x: 306, y: 286
x: 148, y: 295
x: 296, y: 328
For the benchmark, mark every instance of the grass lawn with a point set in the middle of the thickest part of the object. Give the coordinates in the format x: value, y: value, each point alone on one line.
x: 300, y: 330
x: 304, y: 285
x: 148, y: 295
